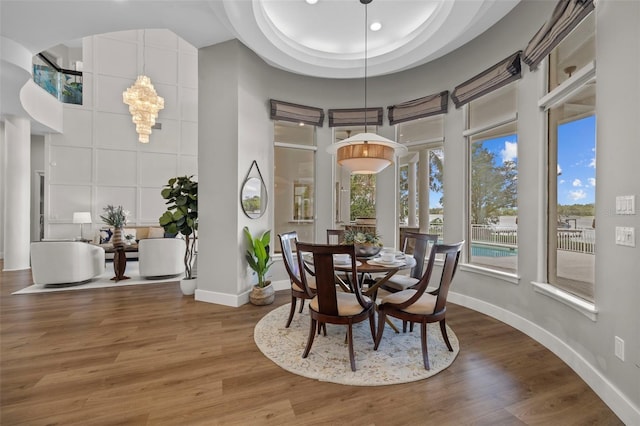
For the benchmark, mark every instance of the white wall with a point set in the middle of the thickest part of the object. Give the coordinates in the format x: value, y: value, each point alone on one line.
x: 98, y: 160
x: 586, y: 345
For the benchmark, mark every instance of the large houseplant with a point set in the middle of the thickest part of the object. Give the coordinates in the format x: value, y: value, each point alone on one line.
x: 181, y: 216
x: 260, y: 261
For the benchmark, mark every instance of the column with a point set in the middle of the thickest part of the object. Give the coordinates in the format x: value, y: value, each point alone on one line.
x: 423, y: 196
x: 17, y: 193
x: 411, y: 176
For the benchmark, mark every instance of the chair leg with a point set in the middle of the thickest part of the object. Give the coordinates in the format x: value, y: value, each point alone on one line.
x: 443, y: 329
x: 291, y: 311
x: 423, y: 338
x: 312, y: 334
x: 381, y: 322
x: 404, y: 326
x: 301, y: 305
x: 372, y: 324
x: 411, y: 327
x: 352, y: 356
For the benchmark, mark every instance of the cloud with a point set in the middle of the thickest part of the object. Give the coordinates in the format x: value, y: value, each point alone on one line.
x: 592, y: 163
x: 577, y: 182
x: 592, y: 181
x: 561, y: 181
x: 510, y: 151
x: 577, y: 195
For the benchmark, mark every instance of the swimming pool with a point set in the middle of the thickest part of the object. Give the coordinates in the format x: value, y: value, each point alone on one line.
x: 492, y: 251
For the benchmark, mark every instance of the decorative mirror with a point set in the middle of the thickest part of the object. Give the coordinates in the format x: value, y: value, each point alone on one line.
x: 253, y: 196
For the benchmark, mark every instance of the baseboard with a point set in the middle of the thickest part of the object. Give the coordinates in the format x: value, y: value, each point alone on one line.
x: 234, y: 300
x: 616, y: 400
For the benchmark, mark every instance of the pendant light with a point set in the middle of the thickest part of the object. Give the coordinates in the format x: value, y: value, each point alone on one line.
x: 144, y: 103
x: 366, y: 153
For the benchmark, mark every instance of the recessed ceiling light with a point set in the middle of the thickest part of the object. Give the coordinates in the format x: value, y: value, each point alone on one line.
x: 375, y: 26
x: 311, y: 1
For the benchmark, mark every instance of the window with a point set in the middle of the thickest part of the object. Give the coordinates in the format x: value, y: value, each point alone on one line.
x: 493, y: 181
x: 420, y: 185
x: 570, y: 106
x: 294, y: 177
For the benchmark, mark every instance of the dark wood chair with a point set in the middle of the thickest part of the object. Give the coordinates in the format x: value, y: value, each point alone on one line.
x: 418, y: 245
x: 415, y: 305
x: 335, y: 236
x: 299, y: 290
x: 331, y: 305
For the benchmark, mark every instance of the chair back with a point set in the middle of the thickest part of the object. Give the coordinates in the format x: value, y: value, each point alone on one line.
x: 421, y: 244
x: 335, y: 236
x: 287, y: 243
x: 451, y: 254
x: 325, y: 274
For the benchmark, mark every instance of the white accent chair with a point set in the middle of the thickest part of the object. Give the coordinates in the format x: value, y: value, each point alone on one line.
x: 65, y: 262
x: 161, y: 257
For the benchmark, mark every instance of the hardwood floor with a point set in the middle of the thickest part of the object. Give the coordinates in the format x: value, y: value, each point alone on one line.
x: 148, y: 355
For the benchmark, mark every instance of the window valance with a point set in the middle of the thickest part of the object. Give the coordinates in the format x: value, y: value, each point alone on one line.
x: 565, y: 17
x: 355, y: 117
x: 297, y: 113
x: 419, y: 108
x: 502, y: 73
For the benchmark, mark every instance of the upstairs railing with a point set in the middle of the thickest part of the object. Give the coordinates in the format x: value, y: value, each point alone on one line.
x: 63, y: 84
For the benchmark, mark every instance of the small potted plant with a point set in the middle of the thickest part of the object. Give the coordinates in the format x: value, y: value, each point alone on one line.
x: 181, y: 217
x: 367, y: 243
x: 259, y: 260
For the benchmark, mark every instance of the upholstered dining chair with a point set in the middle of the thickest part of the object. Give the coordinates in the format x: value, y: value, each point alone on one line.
x: 418, y: 246
x: 335, y: 236
x: 299, y: 289
x: 415, y: 305
x: 331, y: 305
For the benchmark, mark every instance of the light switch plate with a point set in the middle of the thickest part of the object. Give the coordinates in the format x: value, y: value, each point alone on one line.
x: 625, y: 236
x: 626, y: 204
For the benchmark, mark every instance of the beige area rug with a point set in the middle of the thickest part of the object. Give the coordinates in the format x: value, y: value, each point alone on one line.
x: 397, y: 360
x: 102, y: 281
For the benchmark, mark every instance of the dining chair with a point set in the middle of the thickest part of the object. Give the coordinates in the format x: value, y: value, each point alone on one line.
x: 335, y: 236
x: 299, y: 290
x: 416, y: 305
x: 331, y: 305
x: 418, y: 245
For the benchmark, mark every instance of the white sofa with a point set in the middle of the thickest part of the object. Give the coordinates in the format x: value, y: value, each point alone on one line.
x: 65, y: 262
x: 161, y: 257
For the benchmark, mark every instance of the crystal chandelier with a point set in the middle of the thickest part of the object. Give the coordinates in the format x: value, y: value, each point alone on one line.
x: 144, y: 104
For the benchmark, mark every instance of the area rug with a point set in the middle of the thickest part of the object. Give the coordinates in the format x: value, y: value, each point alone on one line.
x: 397, y: 360
x: 102, y: 281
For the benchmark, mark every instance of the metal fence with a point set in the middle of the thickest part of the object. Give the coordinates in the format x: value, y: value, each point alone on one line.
x: 582, y: 240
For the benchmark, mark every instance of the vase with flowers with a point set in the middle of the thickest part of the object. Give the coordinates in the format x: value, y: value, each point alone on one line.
x: 116, y: 217
x: 367, y: 243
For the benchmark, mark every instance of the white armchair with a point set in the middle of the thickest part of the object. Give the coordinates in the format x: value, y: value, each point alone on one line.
x: 65, y: 262
x: 161, y: 257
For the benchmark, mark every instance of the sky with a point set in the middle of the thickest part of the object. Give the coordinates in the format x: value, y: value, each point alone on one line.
x: 577, y: 162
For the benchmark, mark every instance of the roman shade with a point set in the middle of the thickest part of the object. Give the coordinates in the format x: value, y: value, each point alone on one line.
x: 565, y: 17
x: 297, y: 113
x: 419, y: 108
x: 355, y: 117
x: 500, y: 74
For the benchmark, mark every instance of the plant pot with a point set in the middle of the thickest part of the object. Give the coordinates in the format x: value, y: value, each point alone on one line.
x: 367, y: 250
x: 188, y: 286
x: 260, y: 296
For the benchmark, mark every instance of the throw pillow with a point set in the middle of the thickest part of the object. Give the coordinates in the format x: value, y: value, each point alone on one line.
x: 156, y: 232
x: 105, y: 235
x: 129, y: 235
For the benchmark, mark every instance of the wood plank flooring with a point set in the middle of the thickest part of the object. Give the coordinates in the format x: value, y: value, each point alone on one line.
x: 146, y: 355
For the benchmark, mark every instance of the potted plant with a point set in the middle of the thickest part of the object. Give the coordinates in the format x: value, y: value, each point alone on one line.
x: 181, y: 217
x: 116, y: 217
x: 259, y: 260
x: 367, y: 243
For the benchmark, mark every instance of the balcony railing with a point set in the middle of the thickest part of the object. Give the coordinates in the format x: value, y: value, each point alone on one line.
x: 65, y: 85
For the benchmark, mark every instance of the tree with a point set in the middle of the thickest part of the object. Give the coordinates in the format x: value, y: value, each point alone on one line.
x: 363, y: 196
x: 493, y: 186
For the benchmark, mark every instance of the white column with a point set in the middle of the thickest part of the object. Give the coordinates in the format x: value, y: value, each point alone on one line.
x: 17, y: 193
x: 412, y: 174
x: 423, y: 196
